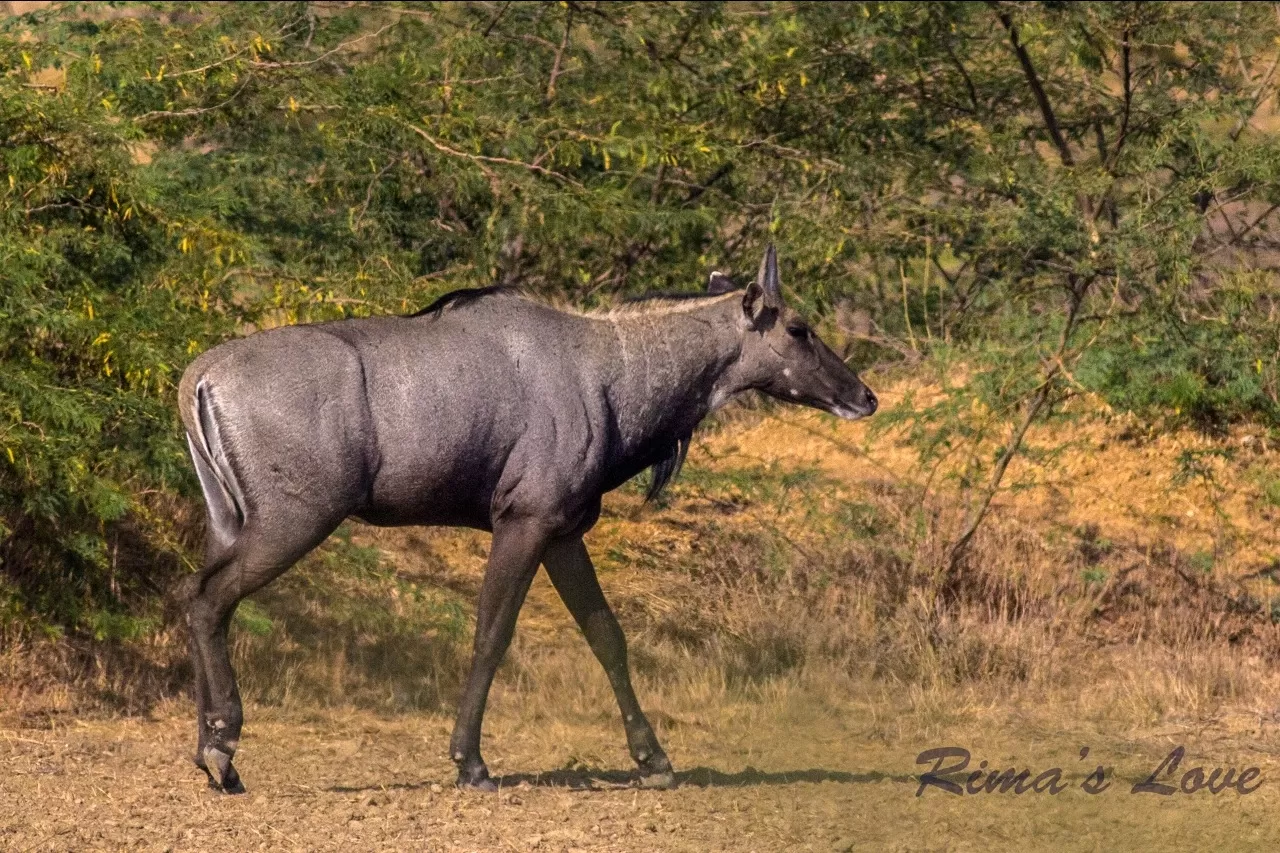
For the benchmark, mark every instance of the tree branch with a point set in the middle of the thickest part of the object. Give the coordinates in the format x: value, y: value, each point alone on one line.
x: 1042, y: 396
x: 286, y: 30
x: 1258, y: 97
x: 1126, y: 79
x: 368, y: 193
x: 496, y: 18
x: 964, y: 74
x: 1033, y: 80
x: 328, y: 53
x: 555, y: 66
x: 481, y: 159
x: 695, y: 193
x: 195, y: 111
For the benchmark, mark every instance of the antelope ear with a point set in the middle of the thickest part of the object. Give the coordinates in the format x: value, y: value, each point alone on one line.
x: 768, y: 280
x: 755, y: 305
x: 719, y: 283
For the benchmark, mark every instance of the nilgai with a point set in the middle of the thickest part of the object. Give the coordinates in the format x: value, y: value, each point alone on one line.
x: 486, y: 410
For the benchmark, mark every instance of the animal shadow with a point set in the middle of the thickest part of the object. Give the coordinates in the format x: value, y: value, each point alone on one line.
x: 699, y: 777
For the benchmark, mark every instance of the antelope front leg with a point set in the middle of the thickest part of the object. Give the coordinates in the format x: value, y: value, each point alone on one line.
x: 574, y: 577
x: 513, y: 561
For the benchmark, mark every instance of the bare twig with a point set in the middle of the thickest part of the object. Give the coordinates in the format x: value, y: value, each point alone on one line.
x: 195, y: 111
x: 346, y: 45
x: 532, y: 39
x: 696, y: 192
x: 1237, y: 237
x: 311, y: 27
x: 964, y: 74
x: 793, y: 152
x: 911, y: 356
x: 399, y: 10
x: 52, y: 206
x: 1259, y: 96
x: 283, y: 31
x: 906, y: 314
x: 564, y: 43
x: 368, y: 193
x: 1039, y: 399
x: 482, y: 159
x: 210, y: 66
x: 655, y: 192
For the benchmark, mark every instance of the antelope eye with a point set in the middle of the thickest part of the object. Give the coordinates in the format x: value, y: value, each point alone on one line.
x: 801, y: 332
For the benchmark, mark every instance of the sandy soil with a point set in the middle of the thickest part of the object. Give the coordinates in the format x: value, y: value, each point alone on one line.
x: 770, y: 777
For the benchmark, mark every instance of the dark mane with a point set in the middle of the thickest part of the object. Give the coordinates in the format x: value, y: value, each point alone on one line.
x: 458, y: 298
x: 668, y: 295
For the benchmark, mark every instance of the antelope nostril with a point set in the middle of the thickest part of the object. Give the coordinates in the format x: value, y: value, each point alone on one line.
x: 872, y: 402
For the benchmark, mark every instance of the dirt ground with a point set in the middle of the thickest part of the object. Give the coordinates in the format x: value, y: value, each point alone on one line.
x: 779, y: 775
x: 807, y: 765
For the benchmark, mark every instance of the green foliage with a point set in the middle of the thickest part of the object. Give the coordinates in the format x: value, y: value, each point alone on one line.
x: 1093, y: 214
x: 1202, y: 561
x: 1207, y: 372
x: 1094, y: 576
x: 106, y: 625
x: 1271, y: 490
x: 250, y: 617
x: 343, y: 555
x: 96, y: 322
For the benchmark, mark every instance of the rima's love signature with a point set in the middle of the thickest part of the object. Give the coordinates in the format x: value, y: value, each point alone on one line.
x: 950, y: 764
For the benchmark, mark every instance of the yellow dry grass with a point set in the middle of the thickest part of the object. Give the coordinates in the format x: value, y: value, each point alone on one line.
x: 1114, y: 475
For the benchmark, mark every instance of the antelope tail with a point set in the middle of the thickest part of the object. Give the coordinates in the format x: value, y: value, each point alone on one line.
x: 222, y: 493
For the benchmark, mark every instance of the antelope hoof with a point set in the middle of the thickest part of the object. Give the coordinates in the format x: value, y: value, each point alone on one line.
x: 664, y: 781
x: 475, y: 779
x: 222, y: 776
x: 656, y: 773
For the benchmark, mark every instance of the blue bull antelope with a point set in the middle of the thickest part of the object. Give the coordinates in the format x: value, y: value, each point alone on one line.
x: 485, y: 410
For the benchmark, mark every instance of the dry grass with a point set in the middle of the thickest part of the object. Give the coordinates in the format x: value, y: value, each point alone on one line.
x: 793, y: 554
x: 791, y: 640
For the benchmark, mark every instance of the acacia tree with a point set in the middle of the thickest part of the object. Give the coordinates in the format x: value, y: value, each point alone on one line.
x: 1045, y: 198
x: 1098, y: 208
